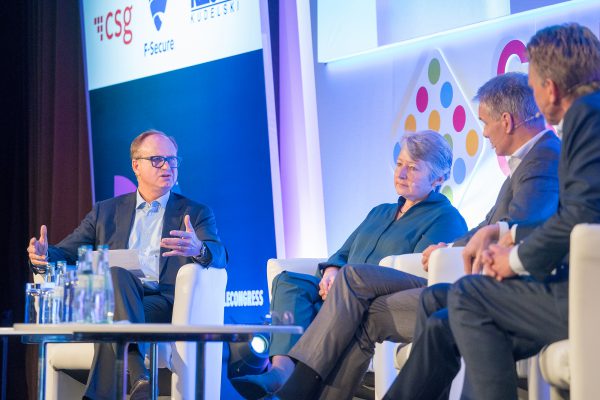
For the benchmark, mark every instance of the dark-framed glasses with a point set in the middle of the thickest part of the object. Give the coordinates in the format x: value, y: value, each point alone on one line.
x: 159, y: 161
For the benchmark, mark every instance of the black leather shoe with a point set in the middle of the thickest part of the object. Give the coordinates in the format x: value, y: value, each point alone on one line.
x: 140, y: 390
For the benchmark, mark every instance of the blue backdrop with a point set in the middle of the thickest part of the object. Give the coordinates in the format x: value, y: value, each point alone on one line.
x: 217, y: 113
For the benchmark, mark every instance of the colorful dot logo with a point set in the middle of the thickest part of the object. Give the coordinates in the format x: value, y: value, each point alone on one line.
x: 438, y: 103
x: 446, y: 95
x: 422, y: 99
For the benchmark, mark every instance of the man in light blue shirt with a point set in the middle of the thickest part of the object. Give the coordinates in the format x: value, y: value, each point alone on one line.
x: 166, y: 228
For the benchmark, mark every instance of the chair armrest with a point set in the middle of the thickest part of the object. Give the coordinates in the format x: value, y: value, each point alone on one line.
x: 199, y: 299
x: 199, y: 295
x: 410, y: 263
x: 554, y: 364
x: 275, y: 266
x: 445, y: 265
x: 584, y: 323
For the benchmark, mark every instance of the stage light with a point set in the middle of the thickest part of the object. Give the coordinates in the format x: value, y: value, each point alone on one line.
x: 248, y: 358
x: 259, y: 344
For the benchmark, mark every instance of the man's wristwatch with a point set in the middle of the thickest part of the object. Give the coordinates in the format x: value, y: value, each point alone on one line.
x: 201, y: 258
x: 203, y: 250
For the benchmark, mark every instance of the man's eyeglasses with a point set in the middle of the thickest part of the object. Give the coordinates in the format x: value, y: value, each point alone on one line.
x: 159, y: 161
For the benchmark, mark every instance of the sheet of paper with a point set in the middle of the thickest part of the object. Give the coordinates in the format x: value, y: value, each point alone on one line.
x: 125, y: 258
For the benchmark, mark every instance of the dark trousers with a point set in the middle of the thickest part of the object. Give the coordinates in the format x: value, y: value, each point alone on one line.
x: 497, y: 323
x: 491, y: 324
x: 434, y: 359
x: 138, y: 305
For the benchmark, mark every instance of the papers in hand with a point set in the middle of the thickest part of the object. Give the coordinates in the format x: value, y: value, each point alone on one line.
x: 126, y: 258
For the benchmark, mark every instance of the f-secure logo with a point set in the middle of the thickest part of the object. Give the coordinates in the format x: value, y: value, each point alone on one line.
x: 157, y: 8
x: 159, y: 46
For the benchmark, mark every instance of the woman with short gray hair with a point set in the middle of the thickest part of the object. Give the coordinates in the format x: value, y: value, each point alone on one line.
x: 431, y: 147
x: 351, y: 281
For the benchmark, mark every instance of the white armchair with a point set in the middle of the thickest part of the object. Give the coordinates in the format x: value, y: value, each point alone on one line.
x: 445, y: 265
x: 570, y: 366
x: 199, y: 299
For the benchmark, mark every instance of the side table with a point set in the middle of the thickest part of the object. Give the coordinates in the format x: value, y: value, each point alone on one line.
x: 122, y: 334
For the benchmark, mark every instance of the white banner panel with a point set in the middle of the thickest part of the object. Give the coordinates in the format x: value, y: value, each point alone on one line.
x: 131, y: 39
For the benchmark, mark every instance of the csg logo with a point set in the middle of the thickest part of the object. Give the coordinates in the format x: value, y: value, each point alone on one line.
x: 115, y: 24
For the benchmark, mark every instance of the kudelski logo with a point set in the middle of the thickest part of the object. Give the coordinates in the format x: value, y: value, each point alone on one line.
x: 115, y: 25
x: 157, y: 8
x: 152, y: 48
x: 203, y: 10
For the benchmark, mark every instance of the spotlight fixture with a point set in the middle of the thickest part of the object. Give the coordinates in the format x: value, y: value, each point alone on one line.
x: 248, y: 358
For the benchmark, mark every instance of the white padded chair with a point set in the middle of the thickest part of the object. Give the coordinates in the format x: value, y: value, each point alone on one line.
x: 570, y: 366
x: 200, y: 300
x: 445, y: 265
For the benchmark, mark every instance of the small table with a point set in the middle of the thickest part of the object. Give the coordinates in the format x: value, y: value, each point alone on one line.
x: 123, y: 334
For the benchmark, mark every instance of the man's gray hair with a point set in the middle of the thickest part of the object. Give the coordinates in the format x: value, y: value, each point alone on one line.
x: 137, y: 142
x: 432, y: 148
x: 510, y: 93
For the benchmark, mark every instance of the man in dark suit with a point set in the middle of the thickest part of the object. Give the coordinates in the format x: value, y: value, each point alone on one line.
x: 167, y: 229
x: 521, y: 302
x: 514, y: 127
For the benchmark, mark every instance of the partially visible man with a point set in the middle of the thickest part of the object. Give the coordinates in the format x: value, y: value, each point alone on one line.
x: 522, y: 302
x: 514, y: 127
x: 166, y: 228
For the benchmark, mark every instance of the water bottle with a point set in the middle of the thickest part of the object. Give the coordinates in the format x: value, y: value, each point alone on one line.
x: 50, y: 275
x: 84, y: 259
x: 32, y: 300
x: 82, y: 304
x: 104, y: 278
x: 45, y: 304
x: 68, y: 304
x: 58, y: 294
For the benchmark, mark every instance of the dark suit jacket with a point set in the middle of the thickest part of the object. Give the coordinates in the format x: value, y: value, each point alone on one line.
x: 547, y: 246
x: 110, y: 221
x: 531, y: 194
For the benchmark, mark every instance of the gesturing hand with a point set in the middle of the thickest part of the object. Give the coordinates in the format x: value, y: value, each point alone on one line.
x: 38, y: 248
x: 185, y: 243
x: 327, y: 280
